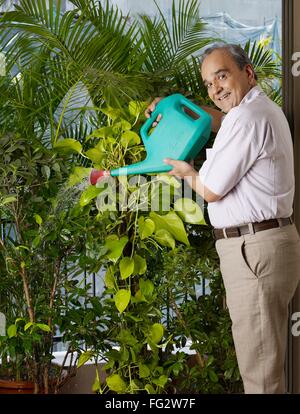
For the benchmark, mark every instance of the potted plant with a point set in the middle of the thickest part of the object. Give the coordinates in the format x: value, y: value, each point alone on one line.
x: 37, y: 247
x: 54, y: 233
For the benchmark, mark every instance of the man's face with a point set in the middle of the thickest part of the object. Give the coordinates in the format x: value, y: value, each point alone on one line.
x: 226, y: 83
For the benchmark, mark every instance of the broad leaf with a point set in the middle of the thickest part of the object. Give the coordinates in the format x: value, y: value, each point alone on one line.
x: 38, y: 219
x: 109, y: 279
x: 189, y: 211
x: 78, y: 175
x: 122, y: 299
x: 140, y: 265
x: 144, y: 371
x: 89, y: 194
x: 96, y: 155
x: 68, y: 145
x: 156, y: 333
x: 11, y: 331
x: 115, y: 383
x: 146, y: 227
x: 130, y: 138
x: 165, y: 238
x: 115, y: 246
x: 147, y: 288
x: 84, y: 357
x: 172, y: 223
x: 126, y: 267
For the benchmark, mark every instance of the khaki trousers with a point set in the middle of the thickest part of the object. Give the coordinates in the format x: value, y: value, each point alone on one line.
x: 261, y: 272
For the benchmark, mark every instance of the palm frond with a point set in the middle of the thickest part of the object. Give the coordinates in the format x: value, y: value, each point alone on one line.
x: 186, y: 36
x: 263, y: 61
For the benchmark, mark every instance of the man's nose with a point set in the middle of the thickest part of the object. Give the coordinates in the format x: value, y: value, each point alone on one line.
x: 217, y: 88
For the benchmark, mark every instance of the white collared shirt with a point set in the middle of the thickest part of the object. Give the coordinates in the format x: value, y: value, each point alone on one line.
x: 251, y: 164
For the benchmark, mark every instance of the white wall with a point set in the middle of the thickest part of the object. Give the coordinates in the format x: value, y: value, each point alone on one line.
x: 250, y: 12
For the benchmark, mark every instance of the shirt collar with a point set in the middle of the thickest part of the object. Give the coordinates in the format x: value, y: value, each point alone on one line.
x: 252, y: 94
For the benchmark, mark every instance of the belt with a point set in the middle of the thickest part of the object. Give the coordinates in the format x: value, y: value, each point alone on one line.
x: 250, y: 228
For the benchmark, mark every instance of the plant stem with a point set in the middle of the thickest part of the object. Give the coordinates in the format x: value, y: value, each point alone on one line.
x: 27, y: 294
x: 199, y: 358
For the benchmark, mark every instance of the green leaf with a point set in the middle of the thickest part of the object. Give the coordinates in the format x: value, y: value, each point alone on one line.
x: 161, y: 381
x: 97, y: 383
x: 12, y: 331
x: 56, y: 167
x: 38, y: 219
x: 189, y: 211
x: 78, y: 175
x: 36, y: 241
x: 89, y: 194
x: 144, y: 371
x: 109, y: 279
x: 115, y: 383
x: 122, y: 299
x: 136, y: 107
x: 84, y: 357
x: 96, y: 155
x: 149, y: 388
x: 104, y: 132
x: 156, y: 333
x: 28, y: 325
x: 172, y: 223
x: 115, y: 246
x: 7, y: 200
x: 122, y: 125
x: 43, y: 327
x: 112, y: 113
x: 126, y: 338
x: 147, y: 288
x: 130, y: 138
x: 146, y: 227
x: 126, y: 267
x: 165, y: 238
x: 213, y: 376
x: 46, y: 171
x: 68, y: 145
x: 140, y: 265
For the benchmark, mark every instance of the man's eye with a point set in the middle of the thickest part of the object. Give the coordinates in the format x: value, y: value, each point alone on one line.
x: 223, y: 76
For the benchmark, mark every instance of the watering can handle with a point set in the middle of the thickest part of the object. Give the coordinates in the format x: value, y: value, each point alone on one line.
x: 193, y: 107
x: 181, y: 101
x: 147, y: 125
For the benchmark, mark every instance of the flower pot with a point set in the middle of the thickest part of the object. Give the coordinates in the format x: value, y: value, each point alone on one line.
x: 16, y: 387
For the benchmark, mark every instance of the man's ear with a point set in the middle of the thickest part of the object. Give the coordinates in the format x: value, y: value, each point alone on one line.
x: 251, y: 74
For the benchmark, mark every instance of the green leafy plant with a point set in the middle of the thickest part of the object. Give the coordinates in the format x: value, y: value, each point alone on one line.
x: 73, y: 99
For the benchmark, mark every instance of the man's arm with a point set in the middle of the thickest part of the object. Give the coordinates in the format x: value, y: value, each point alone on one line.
x: 216, y: 117
x: 184, y: 170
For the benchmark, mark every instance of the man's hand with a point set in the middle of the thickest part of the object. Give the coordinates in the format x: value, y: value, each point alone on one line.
x: 182, y: 169
x: 151, y: 108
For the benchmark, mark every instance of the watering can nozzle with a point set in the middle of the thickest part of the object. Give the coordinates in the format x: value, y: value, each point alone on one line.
x: 96, y: 175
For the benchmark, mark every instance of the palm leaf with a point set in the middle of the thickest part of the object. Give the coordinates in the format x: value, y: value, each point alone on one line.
x: 167, y: 48
x: 263, y: 61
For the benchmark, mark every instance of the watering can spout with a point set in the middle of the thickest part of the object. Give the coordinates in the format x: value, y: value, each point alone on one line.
x: 142, y: 167
x: 181, y: 133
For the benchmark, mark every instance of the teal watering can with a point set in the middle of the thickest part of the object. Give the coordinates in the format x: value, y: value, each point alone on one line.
x: 181, y: 133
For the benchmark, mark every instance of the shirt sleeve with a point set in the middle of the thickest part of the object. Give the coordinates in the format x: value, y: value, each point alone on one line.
x: 234, y: 152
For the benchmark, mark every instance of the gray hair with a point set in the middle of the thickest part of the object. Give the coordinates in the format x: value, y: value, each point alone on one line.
x: 236, y: 52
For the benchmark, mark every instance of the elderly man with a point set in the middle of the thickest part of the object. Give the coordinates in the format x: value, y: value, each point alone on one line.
x: 248, y: 182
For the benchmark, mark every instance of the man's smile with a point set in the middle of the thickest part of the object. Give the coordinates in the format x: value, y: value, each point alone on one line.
x: 224, y: 96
